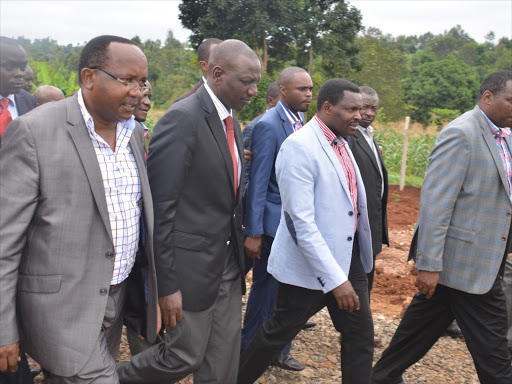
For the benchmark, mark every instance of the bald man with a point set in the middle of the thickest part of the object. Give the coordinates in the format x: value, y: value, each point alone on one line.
x: 196, y: 169
x: 47, y: 93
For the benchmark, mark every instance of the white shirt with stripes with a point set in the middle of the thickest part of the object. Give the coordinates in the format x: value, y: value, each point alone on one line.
x: 122, y: 191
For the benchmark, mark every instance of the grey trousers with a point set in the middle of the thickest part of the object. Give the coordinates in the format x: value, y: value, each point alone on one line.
x: 506, y: 284
x: 101, y: 366
x: 205, y: 343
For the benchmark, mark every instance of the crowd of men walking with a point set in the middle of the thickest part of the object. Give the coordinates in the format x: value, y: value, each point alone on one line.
x: 103, y: 224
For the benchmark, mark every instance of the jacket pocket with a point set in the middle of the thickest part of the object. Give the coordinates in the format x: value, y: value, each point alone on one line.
x: 190, y: 241
x: 39, y: 283
x: 460, y: 233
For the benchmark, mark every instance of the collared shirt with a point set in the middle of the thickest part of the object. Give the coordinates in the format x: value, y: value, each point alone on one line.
x: 295, y: 121
x: 122, y: 191
x: 12, y: 108
x: 499, y: 134
x: 340, y: 148
x: 368, y: 135
x: 223, y: 113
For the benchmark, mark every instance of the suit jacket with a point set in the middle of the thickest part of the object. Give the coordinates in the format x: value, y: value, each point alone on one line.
x: 377, y: 206
x: 247, y: 139
x: 197, y: 214
x: 263, y: 202
x: 313, y: 244
x: 25, y: 102
x: 465, y: 207
x: 56, y: 248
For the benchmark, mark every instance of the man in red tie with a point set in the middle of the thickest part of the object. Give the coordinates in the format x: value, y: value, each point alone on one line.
x: 196, y: 168
x: 14, y: 101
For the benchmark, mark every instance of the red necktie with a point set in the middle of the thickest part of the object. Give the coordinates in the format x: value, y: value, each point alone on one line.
x: 230, y: 134
x: 5, y: 115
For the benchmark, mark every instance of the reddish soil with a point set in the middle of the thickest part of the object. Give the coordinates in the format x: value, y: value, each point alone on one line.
x: 394, y: 280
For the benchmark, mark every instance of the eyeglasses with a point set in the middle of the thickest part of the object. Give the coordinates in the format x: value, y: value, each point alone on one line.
x: 132, y: 85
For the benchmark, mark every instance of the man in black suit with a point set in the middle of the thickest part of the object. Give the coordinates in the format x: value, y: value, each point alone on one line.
x: 196, y: 169
x: 14, y: 102
x: 369, y: 159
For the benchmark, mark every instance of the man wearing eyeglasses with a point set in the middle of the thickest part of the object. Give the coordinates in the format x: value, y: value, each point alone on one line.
x: 72, y: 209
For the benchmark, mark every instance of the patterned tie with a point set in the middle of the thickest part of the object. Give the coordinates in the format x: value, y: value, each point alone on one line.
x: 230, y: 134
x: 5, y: 115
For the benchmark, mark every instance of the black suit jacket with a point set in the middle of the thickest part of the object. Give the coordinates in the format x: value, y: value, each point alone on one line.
x: 377, y: 206
x: 25, y: 102
x: 197, y: 215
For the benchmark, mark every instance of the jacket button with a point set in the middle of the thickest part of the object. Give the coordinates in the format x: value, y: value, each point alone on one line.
x: 350, y: 213
x: 228, y: 242
x: 349, y: 238
x: 234, y: 215
x: 109, y: 255
x: 503, y: 238
x: 103, y: 291
x: 509, y: 213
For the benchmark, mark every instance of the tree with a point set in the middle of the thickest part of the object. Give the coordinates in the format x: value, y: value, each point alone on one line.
x: 447, y: 84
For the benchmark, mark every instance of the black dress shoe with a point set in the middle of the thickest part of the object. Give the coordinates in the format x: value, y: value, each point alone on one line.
x: 453, y: 330
x: 287, y: 362
x: 309, y: 324
x: 35, y: 372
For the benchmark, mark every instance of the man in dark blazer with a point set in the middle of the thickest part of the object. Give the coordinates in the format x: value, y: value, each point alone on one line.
x: 196, y: 168
x: 263, y: 201
x: 74, y: 189
x: 13, y: 63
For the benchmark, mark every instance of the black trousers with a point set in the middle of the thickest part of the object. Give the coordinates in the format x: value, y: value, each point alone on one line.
x: 482, y: 319
x: 22, y: 376
x: 294, y: 306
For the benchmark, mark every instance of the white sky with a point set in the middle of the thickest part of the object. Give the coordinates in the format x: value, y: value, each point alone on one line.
x: 77, y: 21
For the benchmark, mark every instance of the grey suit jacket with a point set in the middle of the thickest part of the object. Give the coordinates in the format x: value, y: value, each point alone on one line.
x: 197, y: 215
x: 55, y: 253
x: 465, y: 208
x: 377, y: 205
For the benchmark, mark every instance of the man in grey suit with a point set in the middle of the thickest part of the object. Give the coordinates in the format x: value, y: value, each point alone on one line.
x: 463, y: 229
x: 70, y: 220
x: 196, y: 168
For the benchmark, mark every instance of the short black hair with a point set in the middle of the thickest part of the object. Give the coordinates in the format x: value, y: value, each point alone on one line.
x: 368, y: 90
x: 333, y: 91
x: 203, y: 52
x: 495, y: 83
x: 95, y: 52
x: 273, y: 90
x: 287, y: 73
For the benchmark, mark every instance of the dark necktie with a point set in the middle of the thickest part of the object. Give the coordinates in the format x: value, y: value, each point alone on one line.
x: 230, y: 134
x: 5, y: 115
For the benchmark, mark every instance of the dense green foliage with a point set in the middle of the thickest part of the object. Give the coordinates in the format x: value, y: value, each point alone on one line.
x: 428, y: 77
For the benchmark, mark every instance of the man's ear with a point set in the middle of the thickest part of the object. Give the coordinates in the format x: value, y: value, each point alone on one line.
x: 217, y: 73
x: 487, y: 97
x: 204, y: 66
x: 88, y: 78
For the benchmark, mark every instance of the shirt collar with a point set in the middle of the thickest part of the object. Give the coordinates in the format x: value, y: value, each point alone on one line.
x: 367, y: 131
x: 329, y: 135
x: 496, y: 131
x: 221, y: 109
x: 11, y: 98
x: 128, y: 125
x: 293, y: 119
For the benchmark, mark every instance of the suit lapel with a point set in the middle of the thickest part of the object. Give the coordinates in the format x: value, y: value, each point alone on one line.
x: 21, y: 104
x: 332, y: 157
x: 361, y: 141
x: 83, y: 144
x: 287, y: 127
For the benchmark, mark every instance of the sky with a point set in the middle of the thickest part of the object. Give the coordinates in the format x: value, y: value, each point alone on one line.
x: 77, y: 21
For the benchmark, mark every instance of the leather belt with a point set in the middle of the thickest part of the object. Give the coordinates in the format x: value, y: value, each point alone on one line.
x: 114, y: 286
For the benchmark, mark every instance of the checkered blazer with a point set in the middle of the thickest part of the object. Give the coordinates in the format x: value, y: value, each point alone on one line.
x: 465, y: 209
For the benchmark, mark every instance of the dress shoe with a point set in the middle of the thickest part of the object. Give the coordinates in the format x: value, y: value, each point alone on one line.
x: 309, y: 324
x: 453, y: 330
x: 287, y: 362
x: 35, y: 372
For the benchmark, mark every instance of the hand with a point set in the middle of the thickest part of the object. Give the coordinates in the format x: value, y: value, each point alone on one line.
x: 346, y: 297
x: 427, y: 282
x: 252, y: 246
x: 170, y: 307
x: 158, y: 319
x: 247, y: 155
x: 9, y: 357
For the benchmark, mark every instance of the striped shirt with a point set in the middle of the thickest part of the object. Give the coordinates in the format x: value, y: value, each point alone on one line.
x: 122, y: 191
x: 500, y: 134
x: 223, y: 114
x: 295, y: 121
x: 339, y: 147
